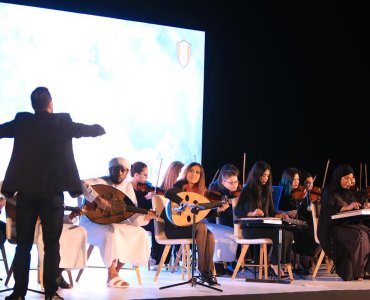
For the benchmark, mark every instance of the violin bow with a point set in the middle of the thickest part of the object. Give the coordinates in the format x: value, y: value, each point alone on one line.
x: 365, y: 167
x: 244, y: 158
x: 326, y: 172
x: 214, y: 177
x: 159, y: 172
x: 360, y: 174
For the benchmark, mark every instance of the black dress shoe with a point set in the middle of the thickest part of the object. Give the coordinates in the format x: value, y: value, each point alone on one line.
x: 53, y: 297
x: 62, y: 283
x: 14, y: 297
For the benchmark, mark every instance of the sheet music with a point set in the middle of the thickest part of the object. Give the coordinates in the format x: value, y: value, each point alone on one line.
x: 352, y: 213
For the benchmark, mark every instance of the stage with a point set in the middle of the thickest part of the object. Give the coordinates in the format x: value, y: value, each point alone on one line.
x: 92, y: 285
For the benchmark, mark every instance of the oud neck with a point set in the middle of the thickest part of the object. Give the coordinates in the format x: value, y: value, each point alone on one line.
x: 135, y: 209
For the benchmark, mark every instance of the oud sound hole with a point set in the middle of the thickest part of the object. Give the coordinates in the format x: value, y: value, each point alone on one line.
x: 188, y: 218
x: 108, y: 196
x: 117, y: 206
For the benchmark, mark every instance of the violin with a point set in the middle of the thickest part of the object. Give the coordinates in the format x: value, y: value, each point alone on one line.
x: 147, y: 187
x: 315, y: 194
x: 299, y: 193
x: 214, y: 195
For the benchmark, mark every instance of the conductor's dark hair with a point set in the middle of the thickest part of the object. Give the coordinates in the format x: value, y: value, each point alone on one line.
x: 40, y: 98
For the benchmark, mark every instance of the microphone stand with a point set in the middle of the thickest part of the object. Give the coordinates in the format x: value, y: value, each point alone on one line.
x: 194, y: 279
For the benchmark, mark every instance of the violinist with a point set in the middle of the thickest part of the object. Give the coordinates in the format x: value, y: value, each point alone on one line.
x: 304, y: 238
x: 290, y: 183
x: 144, y: 194
x: 139, y: 176
x: 169, y: 179
x: 347, y: 243
x: 226, y: 186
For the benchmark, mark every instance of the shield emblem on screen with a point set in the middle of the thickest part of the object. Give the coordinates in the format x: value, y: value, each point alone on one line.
x: 183, y: 53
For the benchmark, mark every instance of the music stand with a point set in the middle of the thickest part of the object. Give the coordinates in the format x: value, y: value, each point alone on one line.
x: 194, y: 279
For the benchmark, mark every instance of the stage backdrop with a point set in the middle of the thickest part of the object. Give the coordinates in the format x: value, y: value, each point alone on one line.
x: 142, y: 82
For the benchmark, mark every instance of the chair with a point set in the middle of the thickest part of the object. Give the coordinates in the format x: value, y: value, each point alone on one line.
x: 315, y: 219
x: 245, y: 243
x: 4, y: 259
x: 11, y: 237
x: 159, y: 203
x: 40, y: 250
x: 277, y: 190
x: 90, y: 250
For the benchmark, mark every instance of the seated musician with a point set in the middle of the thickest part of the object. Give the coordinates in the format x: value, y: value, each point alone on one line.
x: 346, y: 242
x: 169, y: 179
x: 304, y: 239
x: 255, y: 200
x: 119, y: 243
x: 192, y: 179
x: 72, y: 250
x: 2, y: 224
x: 143, y: 193
x: 294, y: 200
x: 226, y: 185
x: 72, y: 243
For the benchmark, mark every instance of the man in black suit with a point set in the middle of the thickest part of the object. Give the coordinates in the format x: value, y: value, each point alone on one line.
x: 41, y: 168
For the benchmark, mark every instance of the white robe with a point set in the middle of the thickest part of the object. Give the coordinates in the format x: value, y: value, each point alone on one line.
x: 72, y: 243
x: 126, y: 241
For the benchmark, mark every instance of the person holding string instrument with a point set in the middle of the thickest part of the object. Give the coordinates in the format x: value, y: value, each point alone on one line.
x: 226, y: 186
x: 169, y: 179
x: 294, y: 200
x: 144, y: 191
x: 304, y: 239
x: 122, y: 242
x: 346, y: 242
x: 255, y: 200
x: 289, y: 201
x: 72, y: 240
x: 192, y: 179
x: 2, y: 224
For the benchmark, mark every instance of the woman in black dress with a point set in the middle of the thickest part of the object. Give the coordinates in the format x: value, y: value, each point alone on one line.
x: 346, y: 242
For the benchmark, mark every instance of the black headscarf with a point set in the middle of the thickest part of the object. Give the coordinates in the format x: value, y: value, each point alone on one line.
x: 338, y: 173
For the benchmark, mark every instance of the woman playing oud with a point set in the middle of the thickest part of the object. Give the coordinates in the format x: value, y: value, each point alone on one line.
x: 192, y: 179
